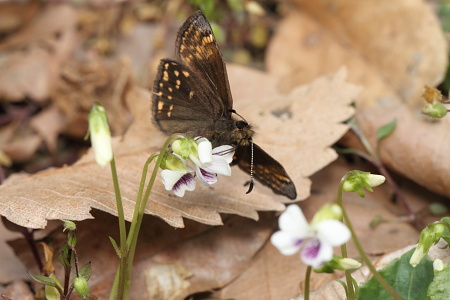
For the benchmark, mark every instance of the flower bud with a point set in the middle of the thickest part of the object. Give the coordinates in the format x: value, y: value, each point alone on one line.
x: 173, y: 162
x: 339, y: 263
x: 438, y: 265
x: 375, y: 180
x: 100, y: 135
x: 357, y: 180
x: 69, y: 225
x: 430, y: 235
x: 185, y: 147
x: 345, y: 264
x: 436, y: 110
x: 81, y: 287
x: 327, y: 212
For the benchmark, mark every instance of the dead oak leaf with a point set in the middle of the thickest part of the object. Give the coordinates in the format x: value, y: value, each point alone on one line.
x: 70, y: 192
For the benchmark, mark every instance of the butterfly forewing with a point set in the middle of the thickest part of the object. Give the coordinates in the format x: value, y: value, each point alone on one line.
x: 181, y: 102
x: 266, y: 170
x: 196, y: 47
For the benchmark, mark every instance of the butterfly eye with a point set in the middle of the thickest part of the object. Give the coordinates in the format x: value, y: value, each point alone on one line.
x: 241, y: 124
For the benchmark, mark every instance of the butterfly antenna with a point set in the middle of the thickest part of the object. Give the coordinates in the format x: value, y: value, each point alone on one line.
x: 234, y: 112
x: 250, y: 188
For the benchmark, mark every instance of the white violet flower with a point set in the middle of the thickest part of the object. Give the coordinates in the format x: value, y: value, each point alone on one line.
x: 211, y: 162
x: 179, y: 177
x: 178, y: 181
x: 317, y: 240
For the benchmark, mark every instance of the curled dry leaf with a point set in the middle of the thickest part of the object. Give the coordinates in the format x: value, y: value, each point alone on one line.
x: 48, y: 124
x: 296, y: 129
x: 86, y: 80
x: 392, y: 49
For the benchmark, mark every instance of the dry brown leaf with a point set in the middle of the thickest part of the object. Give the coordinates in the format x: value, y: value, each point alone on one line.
x: 383, y: 48
x: 236, y: 257
x: 49, y: 123
x: 387, y: 53
x: 417, y: 149
x: 201, y: 257
x: 11, y: 266
x: 167, y: 281
x: 87, y: 80
x: 23, y: 147
x: 18, y: 289
x: 14, y: 15
x: 300, y: 142
x: 30, y: 59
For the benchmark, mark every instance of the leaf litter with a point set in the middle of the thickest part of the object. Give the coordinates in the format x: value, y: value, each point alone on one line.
x: 71, y: 192
x: 393, y: 61
x: 81, y: 197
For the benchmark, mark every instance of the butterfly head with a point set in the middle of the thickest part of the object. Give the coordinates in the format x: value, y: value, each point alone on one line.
x: 242, y: 134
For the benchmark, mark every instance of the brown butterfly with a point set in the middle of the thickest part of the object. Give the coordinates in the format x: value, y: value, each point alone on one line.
x: 192, y: 96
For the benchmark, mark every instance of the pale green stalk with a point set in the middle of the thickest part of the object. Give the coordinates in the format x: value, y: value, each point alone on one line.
x: 361, y: 252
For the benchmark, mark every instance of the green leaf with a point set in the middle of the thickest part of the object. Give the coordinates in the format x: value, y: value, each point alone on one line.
x: 386, y: 130
x: 411, y: 283
x: 85, y: 271
x: 52, y: 293
x: 446, y: 235
x: 115, y: 246
x: 439, y: 288
x: 43, y: 279
x: 63, y: 256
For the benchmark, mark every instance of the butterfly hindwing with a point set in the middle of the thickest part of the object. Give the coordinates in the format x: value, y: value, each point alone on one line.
x: 266, y: 170
x: 197, y: 48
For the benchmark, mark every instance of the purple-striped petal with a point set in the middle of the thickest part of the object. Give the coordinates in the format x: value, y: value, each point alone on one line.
x: 206, y: 178
x: 186, y: 183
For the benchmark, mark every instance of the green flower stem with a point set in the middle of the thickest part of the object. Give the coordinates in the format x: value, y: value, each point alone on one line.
x: 354, y: 126
x: 141, y: 204
x: 367, y: 261
x: 68, y: 271
x: 131, y: 232
x: 139, y: 198
x: 122, y: 231
x: 307, y: 281
x: 348, y: 275
x: 361, y: 252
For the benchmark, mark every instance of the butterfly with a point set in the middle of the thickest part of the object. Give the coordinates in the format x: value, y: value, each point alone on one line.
x: 192, y: 96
